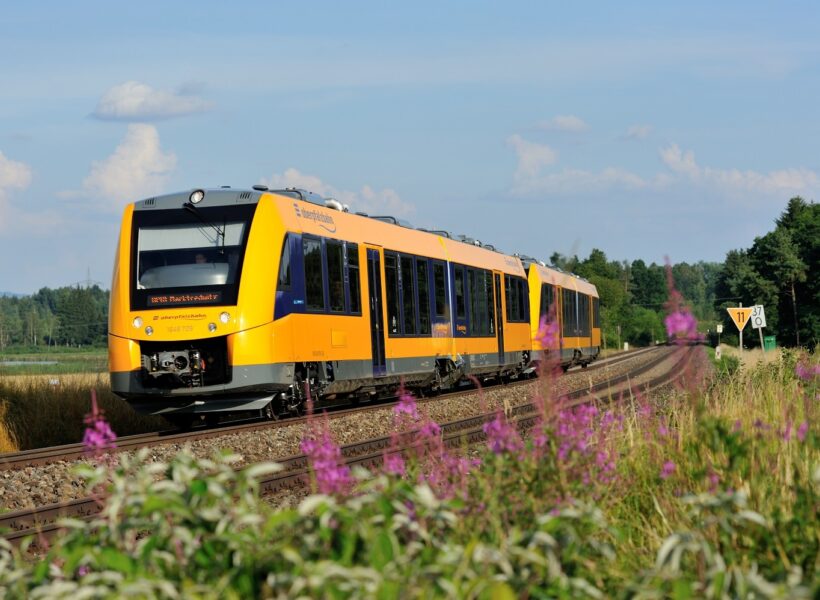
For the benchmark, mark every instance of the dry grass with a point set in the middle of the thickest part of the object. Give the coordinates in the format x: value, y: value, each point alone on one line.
x: 7, y: 442
x: 34, y: 412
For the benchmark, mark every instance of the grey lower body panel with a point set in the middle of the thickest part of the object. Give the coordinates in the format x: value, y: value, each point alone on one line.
x: 252, y: 387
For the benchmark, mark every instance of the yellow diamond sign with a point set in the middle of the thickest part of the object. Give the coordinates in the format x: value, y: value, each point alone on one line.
x: 740, y: 316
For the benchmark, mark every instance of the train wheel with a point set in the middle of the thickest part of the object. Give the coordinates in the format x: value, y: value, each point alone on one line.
x: 267, y: 412
x: 211, y: 420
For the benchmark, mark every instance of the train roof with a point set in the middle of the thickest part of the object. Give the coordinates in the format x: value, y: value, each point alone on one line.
x: 328, y: 217
x: 562, y: 278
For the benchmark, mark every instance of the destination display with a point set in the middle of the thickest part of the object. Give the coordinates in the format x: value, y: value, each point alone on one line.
x: 157, y: 300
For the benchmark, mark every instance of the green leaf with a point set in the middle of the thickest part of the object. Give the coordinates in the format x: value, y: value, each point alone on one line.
x: 115, y: 560
x: 381, y: 550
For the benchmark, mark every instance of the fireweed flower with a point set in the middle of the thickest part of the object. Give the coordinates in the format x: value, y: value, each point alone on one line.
x: 406, y: 408
x: 802, y: 431
x: 98, y: 436
x: 548, y: 331
x: 325, y: 458
x: 502, y: 436
x: 394, y: 464
x: 668, y: 469
x: 681, y: 324
x: 806, y: 372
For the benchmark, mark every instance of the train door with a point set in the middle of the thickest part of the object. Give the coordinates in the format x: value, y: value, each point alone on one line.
x: 374, y: 286
x: 499, y: 322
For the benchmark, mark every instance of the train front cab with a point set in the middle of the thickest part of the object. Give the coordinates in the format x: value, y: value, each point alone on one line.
x: 187, y: 336
x: 571, y: 304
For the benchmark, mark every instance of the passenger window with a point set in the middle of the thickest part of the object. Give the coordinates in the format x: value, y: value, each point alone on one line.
x: 422, y: 285
x: 522, y: 300
x: 461, y: 309
x: 314, y: 278
x: 353, y: 277
x: 335, y: 275
x: 488, y: 287
x: 284, y: 280
x: 408, y: 295
x: 569, y: 313
x: 392, y: 284
x: 439, y: 283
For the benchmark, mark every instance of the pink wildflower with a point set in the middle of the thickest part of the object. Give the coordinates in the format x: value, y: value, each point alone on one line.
x: 787, y: 433
x: 806, y: 372
x: 394, y: 464
x: 547, y: 334
x: 325, y: 457
x: 501, y: 436
x: 406, y: 406
x: 668, y: 469
x: 98, y: 436
x: 802, y: 431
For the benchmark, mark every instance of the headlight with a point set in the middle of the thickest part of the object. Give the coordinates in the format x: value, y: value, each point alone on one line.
x: 225, y: 317
x: 137, y: 322
x: 211, y: 327
x: 149, y: 330
x: 196, y: 196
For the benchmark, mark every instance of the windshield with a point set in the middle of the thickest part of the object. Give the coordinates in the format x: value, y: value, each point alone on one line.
x: 188, y: 258
x: 188, y: 255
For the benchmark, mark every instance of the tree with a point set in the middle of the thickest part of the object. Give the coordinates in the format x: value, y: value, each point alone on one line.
x: 776, y: 255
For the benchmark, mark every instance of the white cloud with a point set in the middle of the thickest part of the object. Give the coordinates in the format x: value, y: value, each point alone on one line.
x: 137, y: 168
x: 569, y: 123
x: 532, y: 157
x: 13, y: 174
x: 135, y: 101
x: 574, y: 181
x: 789, y: 181
x: 637, y: 132
x: 374, y: 202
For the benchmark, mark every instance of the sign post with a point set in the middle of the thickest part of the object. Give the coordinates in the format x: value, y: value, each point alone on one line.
x: 759, y: 322
x: 719, y: 331
x: 740, y: 316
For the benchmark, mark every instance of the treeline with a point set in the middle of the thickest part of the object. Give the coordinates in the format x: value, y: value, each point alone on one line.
x: 780, y: 272
x: 633, y: 294
x: 67, y: 316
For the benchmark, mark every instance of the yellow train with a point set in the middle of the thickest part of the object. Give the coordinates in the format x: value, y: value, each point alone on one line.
x: 231, y: 300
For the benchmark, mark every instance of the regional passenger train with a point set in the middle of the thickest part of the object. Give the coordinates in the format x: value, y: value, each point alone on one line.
x: 230, y: 301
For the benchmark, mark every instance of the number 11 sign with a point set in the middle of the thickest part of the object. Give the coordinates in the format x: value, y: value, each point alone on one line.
x: 740, y: 316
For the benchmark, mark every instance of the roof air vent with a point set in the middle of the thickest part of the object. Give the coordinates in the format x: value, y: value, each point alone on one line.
x: 260, y: 188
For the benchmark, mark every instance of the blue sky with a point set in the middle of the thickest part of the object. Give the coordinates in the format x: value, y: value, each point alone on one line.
x: 640, y: 129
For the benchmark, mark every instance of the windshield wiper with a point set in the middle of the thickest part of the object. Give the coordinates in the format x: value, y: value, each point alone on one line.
x: 220, y: 231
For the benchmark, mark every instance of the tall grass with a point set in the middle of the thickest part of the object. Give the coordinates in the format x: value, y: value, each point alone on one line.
x: 708, y: 490
x: 35, y: 413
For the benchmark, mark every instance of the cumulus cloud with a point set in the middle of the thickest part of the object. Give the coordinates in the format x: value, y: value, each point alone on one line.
x: 13, y: 174
x: 135, y: 101
x: 14, y: 221
x: 532, y: 157
x: 569, y: 123
x: 374, y: 202
x: 137, y: 168
x: 788, y: 181
x: 637, y: 132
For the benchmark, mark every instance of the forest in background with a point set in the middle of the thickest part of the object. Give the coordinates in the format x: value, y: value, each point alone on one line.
x: 779, y: 271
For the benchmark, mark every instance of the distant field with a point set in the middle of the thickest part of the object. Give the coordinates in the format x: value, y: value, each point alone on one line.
x: 60, y: 362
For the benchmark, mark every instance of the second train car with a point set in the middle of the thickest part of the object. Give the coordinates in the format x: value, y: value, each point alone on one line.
x: 248, y: 300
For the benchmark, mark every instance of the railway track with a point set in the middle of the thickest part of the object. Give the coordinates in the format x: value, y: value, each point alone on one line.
x: 69, y: 452
x: 43, y: 522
